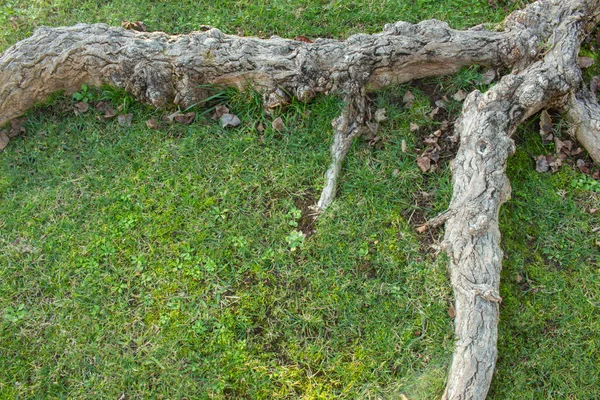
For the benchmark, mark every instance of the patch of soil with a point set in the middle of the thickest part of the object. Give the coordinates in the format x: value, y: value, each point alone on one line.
x: 305, y: 202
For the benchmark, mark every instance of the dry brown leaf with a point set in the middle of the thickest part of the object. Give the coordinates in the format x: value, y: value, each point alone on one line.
x: 431, y: 140
x: 219, y: 110
x: 594, y: 84
x: 559, y: 145
x: 424, y: 163
x: 380, y: 115
x: 153, y: 123
x: 554, y: 162
x: 260, y: 127
x: 102, y: 106
x: 585, y: 62
x: 422, y: 229
x: 16, y: 127
x: 4, y: 139
x: 277, y: 124
x: 582, y: 166
x: 519, y: 278
x: 135, y: 26
x: 414, y: 127
x: 303, y: 39
x: 593, y: 210
x: 408, y: 98
x: 434, y: 112
x: 488, y: 77
x: 403, y: 146
x: 546, y: 130
x: 185, y: 119
x: 229, y: 120
x: 433, y: 156
x: 541, y: 164
x: 125, y: 119
x: 460, y: 95
x: 451, y: 311
x: 576, y: 152
x: 441, y: 103
x: 81, y: 107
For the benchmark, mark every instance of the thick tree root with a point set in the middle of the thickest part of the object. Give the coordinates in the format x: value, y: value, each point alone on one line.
x: 346, y: 127
x: 583, y: 111
x: 165, y: 70
x: 480, y: 185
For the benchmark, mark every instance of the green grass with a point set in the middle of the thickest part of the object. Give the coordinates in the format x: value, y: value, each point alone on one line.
x: 158, y: 264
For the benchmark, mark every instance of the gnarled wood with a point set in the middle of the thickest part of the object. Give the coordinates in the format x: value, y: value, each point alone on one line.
x: 583, y: 111
x: 540, y: 43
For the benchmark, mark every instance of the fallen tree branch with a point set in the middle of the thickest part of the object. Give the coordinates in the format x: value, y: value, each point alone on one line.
x: 540, y: 43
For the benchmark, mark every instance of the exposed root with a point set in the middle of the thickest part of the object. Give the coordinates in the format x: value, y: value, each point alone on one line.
x: 583, y: 111
x: 347, y: 126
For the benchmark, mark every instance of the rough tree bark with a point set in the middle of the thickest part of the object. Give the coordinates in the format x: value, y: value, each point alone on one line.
x: 538, y: 44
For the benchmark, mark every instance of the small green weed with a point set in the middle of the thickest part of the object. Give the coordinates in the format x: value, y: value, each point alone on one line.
x: 585, y: 182
x: 84, y: 94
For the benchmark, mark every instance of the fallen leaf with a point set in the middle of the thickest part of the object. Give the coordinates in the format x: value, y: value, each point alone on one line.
x: 219, y: 111
x: 559, y: 145
x: 277, y: 124
x: 594, y: 84
x: 424, y: 163
x: 185, y: 119
x: 81, y: 107
x: 380, y: 115
x: 125, y: 119
x: 110, y: 112
x: 554, y: 162
x: 422, y: 229
x: 546, y: 130
x: 444, y: 125
x: 229, y: 120
x: 576, y: 152
x: 585, y: 62
x: 581, y: 165
x: 593, y: 210
x: 431, y: 140
x: 101, y: 106
x: 373, y: 127
x: 541, y: 164
x: 135, y: 26
x: 153, y: 123
x: 519, y: 278
x: 374, y: 141
x: 488, y: 76
x: 4, y: 139
x: 596, y: 175
x: 408, y: 98
x: 403, y: 396
x: 451, y: 311
x: 441, y: 104
x: 434, y: 112
x: 403, y: 146
x: 433, y: 156
x: 460, y: 95
x: 303, y: 39
x: 395, y: 172
x: 260, y: 127
x: 414, y: 127
x: 16, y: 127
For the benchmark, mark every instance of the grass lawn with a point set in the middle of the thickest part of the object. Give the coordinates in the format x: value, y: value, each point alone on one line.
x: 168, y: 264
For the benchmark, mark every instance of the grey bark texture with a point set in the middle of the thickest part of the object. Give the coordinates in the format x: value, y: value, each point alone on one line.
x: 539, y: 44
